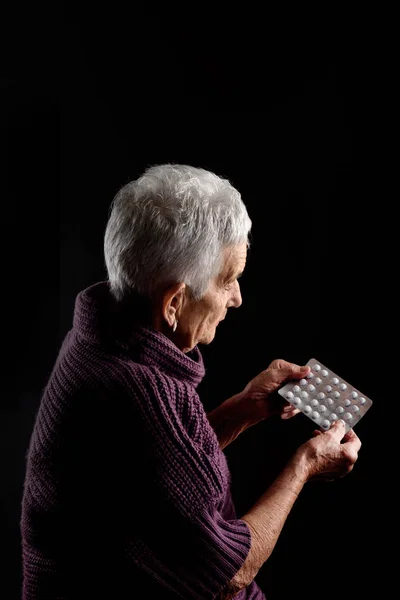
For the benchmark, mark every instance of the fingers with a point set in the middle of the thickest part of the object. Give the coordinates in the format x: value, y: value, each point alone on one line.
x: 290, y: 408
x: 288, y: 414
x: 297, y: 371
x: 337, y: 430
x: 352, y: 440
x: 285, y: 371
x: 349, y: 439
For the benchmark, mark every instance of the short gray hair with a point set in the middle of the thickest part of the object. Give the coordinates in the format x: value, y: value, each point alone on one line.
x: 171, y: 225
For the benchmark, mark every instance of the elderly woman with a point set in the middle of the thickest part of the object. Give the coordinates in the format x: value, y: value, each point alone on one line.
x: 127, y: 489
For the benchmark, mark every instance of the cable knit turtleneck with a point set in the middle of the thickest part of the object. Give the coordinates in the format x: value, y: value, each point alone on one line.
x: 127, y: 490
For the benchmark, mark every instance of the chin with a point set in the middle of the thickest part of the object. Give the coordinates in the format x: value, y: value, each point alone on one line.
x: 207, y: 339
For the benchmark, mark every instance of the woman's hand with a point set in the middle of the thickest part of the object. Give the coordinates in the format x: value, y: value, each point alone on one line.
x: 329, y: 454
x: 258, y: 400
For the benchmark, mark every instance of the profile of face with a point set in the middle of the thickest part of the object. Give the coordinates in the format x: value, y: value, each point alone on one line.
x: 198, y: 320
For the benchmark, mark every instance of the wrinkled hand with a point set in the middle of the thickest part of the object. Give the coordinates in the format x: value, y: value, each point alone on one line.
x: 259, y: 400
x: 330, y: 454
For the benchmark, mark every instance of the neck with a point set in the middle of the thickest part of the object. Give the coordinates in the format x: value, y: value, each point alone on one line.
x: 159, y: 324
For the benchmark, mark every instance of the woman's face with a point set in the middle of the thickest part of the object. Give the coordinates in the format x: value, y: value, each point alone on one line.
x: 197, y: 320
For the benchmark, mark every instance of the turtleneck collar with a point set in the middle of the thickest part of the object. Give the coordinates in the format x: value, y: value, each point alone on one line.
x: 99, y: 319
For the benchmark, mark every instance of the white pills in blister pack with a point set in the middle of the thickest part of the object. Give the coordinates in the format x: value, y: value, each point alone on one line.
x: 325, y: 397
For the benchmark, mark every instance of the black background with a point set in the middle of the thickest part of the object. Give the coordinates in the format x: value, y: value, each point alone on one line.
x: 275, y: 103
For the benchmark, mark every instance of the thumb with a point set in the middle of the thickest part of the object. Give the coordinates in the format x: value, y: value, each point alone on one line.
x: 285, y: 371
x: 338, y: 429
x: 297, y: 371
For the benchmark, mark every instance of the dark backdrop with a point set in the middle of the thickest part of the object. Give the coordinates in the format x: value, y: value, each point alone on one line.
x: 271, y: 102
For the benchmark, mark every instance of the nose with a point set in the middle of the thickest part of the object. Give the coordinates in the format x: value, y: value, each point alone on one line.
x: 236, y: 299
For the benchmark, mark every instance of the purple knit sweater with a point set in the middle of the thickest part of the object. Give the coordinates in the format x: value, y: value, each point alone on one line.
x: 127, y: 492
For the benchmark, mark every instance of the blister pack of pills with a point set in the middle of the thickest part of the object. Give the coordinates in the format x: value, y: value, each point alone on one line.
x: 325, y: 397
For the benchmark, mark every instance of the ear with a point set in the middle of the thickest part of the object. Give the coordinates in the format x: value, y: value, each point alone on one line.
x: 172, y: 302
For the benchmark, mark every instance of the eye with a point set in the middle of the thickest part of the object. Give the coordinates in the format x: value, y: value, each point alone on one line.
x: 229, y: 285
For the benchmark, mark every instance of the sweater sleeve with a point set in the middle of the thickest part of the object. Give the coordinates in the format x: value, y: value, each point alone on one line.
x: 177, y: 529
x: 196, y: 558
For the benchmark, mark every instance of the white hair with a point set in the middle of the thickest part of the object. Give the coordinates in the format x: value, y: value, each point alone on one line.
x: 171, y: 225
